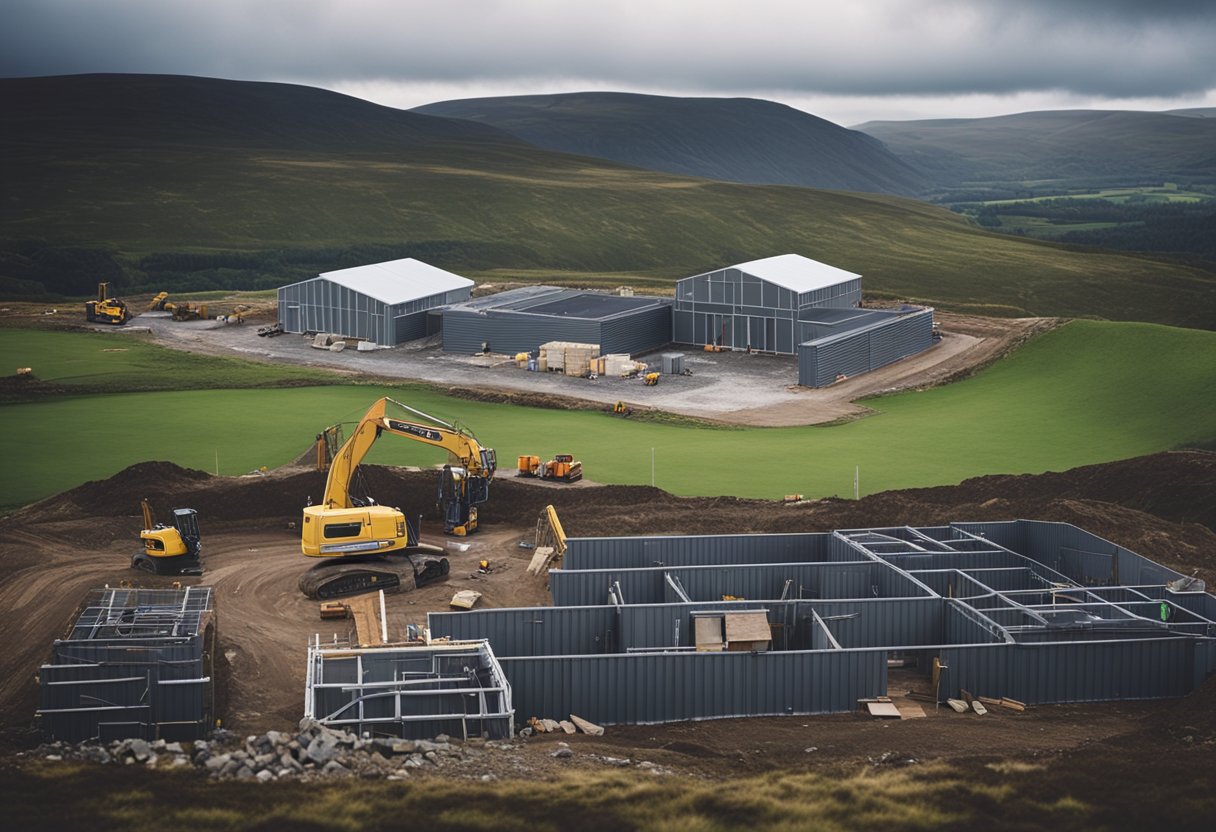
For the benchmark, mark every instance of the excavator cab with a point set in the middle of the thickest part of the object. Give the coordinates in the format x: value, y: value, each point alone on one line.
x: 170, y: 550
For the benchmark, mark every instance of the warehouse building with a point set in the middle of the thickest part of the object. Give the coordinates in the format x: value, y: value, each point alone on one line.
x: 1019, y: 612
x: 385, y: 303
x: 842, y: 343
x: 520, y: 320
x: 757, y: 305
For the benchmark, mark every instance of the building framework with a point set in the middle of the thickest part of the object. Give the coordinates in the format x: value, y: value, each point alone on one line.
x: 137, y: 663
x: 1034, y: 611
x: 409, y: 691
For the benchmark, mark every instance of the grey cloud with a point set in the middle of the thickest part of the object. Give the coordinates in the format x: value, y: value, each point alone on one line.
x: 1104, y: 48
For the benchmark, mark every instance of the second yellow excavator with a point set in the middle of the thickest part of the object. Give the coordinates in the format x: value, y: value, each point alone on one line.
x: 358, y: 536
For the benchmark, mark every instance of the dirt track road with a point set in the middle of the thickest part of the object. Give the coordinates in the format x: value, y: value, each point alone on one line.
x: 264, y: 623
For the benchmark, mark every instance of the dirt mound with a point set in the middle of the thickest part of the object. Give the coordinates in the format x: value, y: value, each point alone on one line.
x: 1129, y: 502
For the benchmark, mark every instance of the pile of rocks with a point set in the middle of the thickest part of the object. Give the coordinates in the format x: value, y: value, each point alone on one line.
x: 314, y: 750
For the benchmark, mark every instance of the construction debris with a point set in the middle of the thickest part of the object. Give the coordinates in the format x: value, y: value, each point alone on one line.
x: 883, y: 710
x: 1013, y: 704
x: 567, y: 726
x: 958, y: 705
x: 589, y: 728
x: 978, y: 707
x: 465, y: 599
x: 333, y: 609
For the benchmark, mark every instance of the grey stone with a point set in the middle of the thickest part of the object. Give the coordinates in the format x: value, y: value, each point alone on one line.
x: 202, y: 745
x: 231, y: 767
x: 526, y: 732
x: 151, y: 761
x: 140, y: 750
x: 333, y: 767
x: 562, y: 753
x: 180, y: 760
x: 289, y: 762
x: 241, y: 755
x: 218, y: 762
x: 173, y: 747
x: 158, y: 745
x: 616, y: 761
x: 244, y: 773
x: 323, y: 748
x: 442, y: 738
x: 413, y: 761
x: 55, y: 757
x: 430, y: 756
x: 276, y: 737
x: 265, y: 775
x: 264, y: 759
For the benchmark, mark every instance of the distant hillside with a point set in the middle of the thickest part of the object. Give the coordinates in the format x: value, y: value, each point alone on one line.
x: 730, y: 139
x: 1095, y: 147
x: 204, y: 184
x: 160, y: 111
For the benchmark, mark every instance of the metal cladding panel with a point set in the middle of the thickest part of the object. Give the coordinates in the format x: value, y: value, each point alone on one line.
x: 543, y: 631
x: 819, y: 364
x: 904, y: 336
x: 509, y: 332
x: 644, y: 330
x: 646, y: 689
x: 694, y: 550
x: 647, y: 586
x: 409, y: 327
x: 962, y: 626
x: 1072, y: 672
x: 955, y: 560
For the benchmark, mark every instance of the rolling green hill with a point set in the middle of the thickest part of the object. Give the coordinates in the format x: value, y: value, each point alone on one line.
x: 173, y: 208
x: 730, y: 139
x: 1094, y: 147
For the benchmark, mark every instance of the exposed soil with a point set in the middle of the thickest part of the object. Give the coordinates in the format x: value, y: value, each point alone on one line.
x: 1163, y: 506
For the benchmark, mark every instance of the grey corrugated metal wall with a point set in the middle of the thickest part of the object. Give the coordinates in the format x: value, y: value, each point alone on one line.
x: 644, y: 688
x: 555, y: 631
x: 709, y: 583
x: 320, y: 305
x: 1072, y: 672
x: 853, y: 353
x: 80, y: 685
x: 510, y: 332
x: 694, y: 550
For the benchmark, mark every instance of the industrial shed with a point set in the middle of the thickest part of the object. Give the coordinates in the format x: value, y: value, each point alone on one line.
x: 758, y: 304
x: 1028, y: 612
x: 520, y: 320
x: 385, y: 303
x: 848, y: 342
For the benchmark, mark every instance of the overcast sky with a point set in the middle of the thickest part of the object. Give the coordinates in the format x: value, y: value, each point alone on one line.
x: 847, y: 60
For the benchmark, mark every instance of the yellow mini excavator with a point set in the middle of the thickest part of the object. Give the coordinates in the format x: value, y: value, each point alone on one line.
x: 169, y: 550
x: 366, y: 546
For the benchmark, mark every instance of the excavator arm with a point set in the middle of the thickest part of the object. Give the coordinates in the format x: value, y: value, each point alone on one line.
x: 474, y: 459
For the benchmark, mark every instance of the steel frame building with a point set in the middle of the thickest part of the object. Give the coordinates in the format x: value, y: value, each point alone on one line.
x: 137, y: 663
x: 757, y: 305
x: 520, y: 320
x: 385, y: 303
x: 849, y: 342
x: 1035, y: 611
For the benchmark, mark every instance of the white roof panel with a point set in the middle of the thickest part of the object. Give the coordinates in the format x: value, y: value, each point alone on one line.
x: 398, y: 281
x: 796, y: 273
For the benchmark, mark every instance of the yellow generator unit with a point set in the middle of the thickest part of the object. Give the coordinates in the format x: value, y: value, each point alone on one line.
x: 529, y: 466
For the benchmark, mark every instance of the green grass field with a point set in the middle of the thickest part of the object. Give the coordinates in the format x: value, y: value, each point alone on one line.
x: 1086, y: 393
x: 126, y: 362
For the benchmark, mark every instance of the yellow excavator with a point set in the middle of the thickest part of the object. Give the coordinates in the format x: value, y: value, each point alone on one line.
x: 106, y: 309
x: 361, y: 539
x: 169, y: 550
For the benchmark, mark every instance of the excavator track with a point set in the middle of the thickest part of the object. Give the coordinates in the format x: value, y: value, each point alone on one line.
x: 419, y: 566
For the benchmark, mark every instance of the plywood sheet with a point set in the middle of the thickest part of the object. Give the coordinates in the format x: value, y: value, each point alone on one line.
x: 708, y: 633
x: 748, y: 626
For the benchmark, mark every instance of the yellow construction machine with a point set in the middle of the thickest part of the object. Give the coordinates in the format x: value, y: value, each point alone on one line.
x: 169, y: 550
x: 179, y: 311
x: 651, y: 379
x: 106, y: 309
x: 563, y: 467
x: 357, y: 536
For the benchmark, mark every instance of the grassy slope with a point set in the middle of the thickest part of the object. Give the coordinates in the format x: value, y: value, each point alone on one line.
x: 1099, y: 145
x: 729, y: 139
x: 514, y: 209
x: 1086, y: 393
